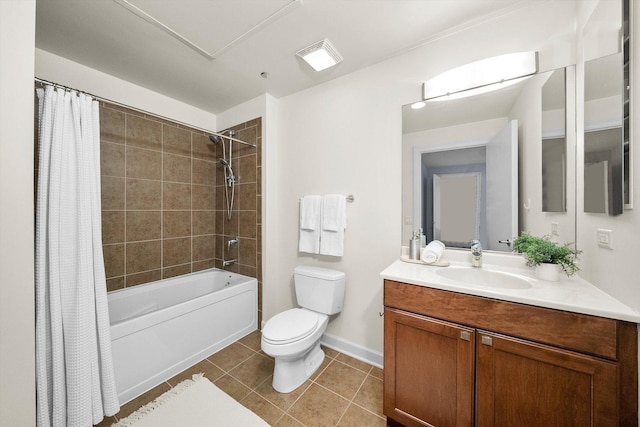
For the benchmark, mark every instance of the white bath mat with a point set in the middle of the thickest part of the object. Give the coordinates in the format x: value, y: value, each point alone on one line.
x: 193, y: 403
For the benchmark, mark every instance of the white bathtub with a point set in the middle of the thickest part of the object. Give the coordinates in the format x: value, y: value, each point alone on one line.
x: 161, y: 328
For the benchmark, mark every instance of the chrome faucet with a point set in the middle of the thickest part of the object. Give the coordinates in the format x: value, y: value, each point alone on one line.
x: 476, y: 254
x: 232, y: 242
x: 228, y: 262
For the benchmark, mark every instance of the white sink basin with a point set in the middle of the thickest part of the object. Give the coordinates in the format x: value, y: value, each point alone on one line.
x: 481, y: 277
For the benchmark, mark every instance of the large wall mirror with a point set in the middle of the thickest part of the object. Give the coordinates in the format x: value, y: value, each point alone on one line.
x: 606, y: 109
x: 554, y: 143
x: 489, y: 166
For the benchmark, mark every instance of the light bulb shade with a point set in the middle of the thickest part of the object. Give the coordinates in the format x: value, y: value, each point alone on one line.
x: 320, y: 55
x: 483, y: 73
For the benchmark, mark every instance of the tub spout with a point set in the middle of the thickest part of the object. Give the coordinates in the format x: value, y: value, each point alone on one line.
x: 228, y: 262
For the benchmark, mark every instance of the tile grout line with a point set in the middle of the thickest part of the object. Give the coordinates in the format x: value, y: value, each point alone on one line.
x: 285, y: 412
x: 351, y: 401
x: 161, y: 201
x: 124, y: 250
x: 192, y: 256
x: 251, y: 390
x: 313, y: 381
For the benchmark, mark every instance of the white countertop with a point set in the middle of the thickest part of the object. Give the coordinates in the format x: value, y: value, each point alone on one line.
x: 570, y: 294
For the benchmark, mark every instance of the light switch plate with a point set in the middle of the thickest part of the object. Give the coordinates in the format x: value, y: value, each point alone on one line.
x: 605, y: 238
x: 554, y: 229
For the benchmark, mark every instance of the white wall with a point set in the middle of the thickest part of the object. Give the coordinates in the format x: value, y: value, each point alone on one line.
x: 17, y: 366
x: 244, y: 112
x: 615, y: 271
x: 345, y: 136
x: 77, y: 76
x: 341, y: 137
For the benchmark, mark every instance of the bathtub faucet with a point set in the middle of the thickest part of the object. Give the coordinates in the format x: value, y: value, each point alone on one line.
x: 232, y: 242
x: 228, y: 262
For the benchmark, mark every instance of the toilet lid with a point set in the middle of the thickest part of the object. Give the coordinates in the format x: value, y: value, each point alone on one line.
x: 290, y: 325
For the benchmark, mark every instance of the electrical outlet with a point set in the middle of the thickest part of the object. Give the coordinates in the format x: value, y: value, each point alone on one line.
x: 408, y: 220
x: 605, y: 238
x: 554, y: 229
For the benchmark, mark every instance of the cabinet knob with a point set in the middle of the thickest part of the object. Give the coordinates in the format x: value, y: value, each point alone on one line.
x: 465, y: 335
x: 487, y: 340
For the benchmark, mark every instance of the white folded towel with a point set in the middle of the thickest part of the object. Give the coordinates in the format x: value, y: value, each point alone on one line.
x: 333, y: 206
x: 334, y: 222
x: 310, y: 217
x: 432, y: 252
x: 310, y: 212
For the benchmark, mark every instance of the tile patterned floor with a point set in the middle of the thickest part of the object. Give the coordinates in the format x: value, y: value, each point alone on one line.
x: 343, y: 392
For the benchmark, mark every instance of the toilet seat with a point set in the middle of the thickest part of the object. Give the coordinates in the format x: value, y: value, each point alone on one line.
x: 289, y: 326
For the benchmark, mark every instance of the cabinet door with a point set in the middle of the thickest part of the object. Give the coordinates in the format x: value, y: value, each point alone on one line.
x: 428, y: 370
x: 521, y: 383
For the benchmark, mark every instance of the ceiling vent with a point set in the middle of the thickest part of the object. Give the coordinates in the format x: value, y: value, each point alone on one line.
x: 320, y: 55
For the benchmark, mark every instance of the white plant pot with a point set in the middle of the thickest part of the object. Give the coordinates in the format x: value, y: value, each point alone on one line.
x: 549, y: 272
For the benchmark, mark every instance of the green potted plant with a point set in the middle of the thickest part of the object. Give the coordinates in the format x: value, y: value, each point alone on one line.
x: 547, y: 256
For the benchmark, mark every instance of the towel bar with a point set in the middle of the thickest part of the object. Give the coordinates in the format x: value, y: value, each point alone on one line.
x: 349, y: 198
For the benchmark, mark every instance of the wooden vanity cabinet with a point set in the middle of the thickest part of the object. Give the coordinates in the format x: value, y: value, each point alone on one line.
x: 521, y: 383
x: 433, y: 370
x: 452, y: 359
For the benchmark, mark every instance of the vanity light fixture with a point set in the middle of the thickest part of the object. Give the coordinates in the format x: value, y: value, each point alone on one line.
x: 481, y: 76
x: 320, y: 55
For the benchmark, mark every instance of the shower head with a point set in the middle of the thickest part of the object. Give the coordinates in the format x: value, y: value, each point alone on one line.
x: 217, y: 137
x: 225, y: 163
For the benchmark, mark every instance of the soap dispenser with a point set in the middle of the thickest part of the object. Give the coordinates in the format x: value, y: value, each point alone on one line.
x: 414, y: 246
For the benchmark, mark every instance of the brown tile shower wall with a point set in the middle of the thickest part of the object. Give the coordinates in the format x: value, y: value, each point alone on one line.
x: 246, y: 218
x: 163, y: 199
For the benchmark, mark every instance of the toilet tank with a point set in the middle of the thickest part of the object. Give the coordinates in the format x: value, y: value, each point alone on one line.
x: 319, y: 289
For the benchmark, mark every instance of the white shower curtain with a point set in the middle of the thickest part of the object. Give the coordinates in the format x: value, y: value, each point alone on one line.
x: 74, y: 371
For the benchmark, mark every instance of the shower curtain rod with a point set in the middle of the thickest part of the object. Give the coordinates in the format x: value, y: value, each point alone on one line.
x: 99, y: 98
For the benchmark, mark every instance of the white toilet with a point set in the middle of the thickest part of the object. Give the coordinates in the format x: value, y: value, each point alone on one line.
x: 293, y: 336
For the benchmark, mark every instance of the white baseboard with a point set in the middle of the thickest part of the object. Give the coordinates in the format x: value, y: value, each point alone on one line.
x: 356, y: 351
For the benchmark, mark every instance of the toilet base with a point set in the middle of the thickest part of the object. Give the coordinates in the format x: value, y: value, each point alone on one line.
x: 291, y: 373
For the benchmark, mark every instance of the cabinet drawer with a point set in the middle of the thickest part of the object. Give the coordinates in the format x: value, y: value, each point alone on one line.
x: 579, y: 332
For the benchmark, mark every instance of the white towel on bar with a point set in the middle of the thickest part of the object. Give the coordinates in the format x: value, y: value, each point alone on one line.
x: 334, y: 222
x: 310, y: 215
x: 310, y: 212
x: 332, y: 218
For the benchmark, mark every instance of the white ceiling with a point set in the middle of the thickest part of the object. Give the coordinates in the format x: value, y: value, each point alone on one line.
x: 105, y: 35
